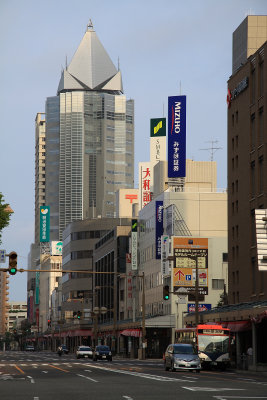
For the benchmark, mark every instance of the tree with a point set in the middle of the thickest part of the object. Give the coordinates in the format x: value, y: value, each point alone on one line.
x: 5, y: 212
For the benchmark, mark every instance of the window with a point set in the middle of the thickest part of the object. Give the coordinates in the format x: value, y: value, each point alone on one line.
x: 253, y: 275
x: 218, y: 284
x: 225, y: 257
x: 261, y: 127
x: 252, y: 131
x: 253, y: 86
x: 261, y: 175
x: 261, y: 75
x: 252, y: 175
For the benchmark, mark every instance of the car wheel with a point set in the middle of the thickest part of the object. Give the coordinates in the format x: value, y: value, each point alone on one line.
x: 166, y: 368
x: 78, y: 356
x: 110, y: 359
x: 197, y: 371
x: 172, y: 368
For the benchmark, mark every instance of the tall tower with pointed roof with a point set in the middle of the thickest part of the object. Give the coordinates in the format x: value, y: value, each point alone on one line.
x: 89, y: 138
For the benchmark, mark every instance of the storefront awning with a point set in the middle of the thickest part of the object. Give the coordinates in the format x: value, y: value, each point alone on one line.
x: 132, y: 332
x: 237, y: 326
x: 76, y: 332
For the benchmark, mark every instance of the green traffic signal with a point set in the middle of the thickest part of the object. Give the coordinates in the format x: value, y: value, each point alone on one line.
x: 12, y: 263
x: 79, y: 314
x: 166, y: 292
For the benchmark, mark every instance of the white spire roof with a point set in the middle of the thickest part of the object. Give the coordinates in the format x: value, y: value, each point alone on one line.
x: 91, y: 67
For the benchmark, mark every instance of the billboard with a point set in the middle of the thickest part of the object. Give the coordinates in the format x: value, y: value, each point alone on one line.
x: 44, y: 223
x: 189, y: 254
x: 157, y: 140
x: 157, y: 127
x: 159, y: 228
x: 134, y: 244
x: 176, y: 136
x: 201, y: 307
x: 165, y: 253
x: 56, y: 248
x: 145, y: 183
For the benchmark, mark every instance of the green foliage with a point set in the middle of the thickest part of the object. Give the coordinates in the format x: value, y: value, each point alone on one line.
x: 4, y: 215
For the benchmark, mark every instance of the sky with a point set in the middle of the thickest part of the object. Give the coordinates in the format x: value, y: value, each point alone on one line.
x: 164, y: 49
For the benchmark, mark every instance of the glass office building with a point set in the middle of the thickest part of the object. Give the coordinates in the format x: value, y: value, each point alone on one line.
x: 89, y: 138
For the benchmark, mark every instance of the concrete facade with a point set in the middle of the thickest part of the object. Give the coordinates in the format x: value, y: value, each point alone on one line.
x: 247, y: 155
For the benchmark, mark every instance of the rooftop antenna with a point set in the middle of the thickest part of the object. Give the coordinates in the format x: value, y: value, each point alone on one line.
x: 90, y: 25
x: 249, y: 12
x: 212, y: 149
x: 66, y: 62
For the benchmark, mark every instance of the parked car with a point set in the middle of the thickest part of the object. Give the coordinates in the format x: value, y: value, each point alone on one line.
x: 102, y: 353
x: 182, y: 356
x: 29, y: 347
x: 64, y: 348
x: 84, y: 351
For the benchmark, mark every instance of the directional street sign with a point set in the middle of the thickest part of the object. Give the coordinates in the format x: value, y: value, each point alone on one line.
x: 2, y: 256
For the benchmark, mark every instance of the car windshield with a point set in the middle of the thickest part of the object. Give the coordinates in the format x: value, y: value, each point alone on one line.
x: 183, y: 349
x: 102, y: 348
x: 85, y: 348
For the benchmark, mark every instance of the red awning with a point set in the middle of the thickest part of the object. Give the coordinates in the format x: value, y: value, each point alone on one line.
x: 132, y: 332
x: 76, y: 332
x: 237, y: 326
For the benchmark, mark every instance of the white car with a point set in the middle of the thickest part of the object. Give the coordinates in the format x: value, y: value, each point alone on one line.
x: 84, y: 351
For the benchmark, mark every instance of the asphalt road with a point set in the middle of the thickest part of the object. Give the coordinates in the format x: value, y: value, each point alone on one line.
x: 45, y: 376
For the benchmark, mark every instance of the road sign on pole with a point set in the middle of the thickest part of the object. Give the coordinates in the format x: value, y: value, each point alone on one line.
x: 2, y: 256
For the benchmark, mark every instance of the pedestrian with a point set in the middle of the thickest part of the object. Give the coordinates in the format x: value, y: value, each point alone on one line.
x: 60, y: 351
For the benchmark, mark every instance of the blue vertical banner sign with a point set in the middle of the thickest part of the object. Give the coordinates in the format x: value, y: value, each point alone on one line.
x: 159, y: 228
x: 44, y: 223
x: 176, y: 136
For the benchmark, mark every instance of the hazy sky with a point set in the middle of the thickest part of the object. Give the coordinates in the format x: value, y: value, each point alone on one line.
x: 165, y: 48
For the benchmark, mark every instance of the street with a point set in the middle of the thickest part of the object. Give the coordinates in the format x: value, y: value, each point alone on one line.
x: 44, y: 375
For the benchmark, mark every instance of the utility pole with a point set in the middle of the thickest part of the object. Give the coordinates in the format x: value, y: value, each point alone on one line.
x: 143, y: 318
x: 196, y: 293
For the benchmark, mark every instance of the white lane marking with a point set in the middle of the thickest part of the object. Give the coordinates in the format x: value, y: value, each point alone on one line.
x: 32, y: 380
x: 87, y: 377
x: 36, y: 398
x: 87, y: 370
x: 236, y: 397
x: 207, y: 389
x: 127, y: 397
x: 141, y: 375
x: 191, y: 377
x: 45, y: 372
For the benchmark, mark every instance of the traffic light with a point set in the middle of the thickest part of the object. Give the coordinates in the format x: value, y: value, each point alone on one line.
x: 49, y: 322
x: 79, y: 314
x: 166, y: 292
x: 12, y: 263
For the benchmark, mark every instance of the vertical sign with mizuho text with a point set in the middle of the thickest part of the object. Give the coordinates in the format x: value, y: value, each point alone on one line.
x: 176, y: 136
x: 44, y: 223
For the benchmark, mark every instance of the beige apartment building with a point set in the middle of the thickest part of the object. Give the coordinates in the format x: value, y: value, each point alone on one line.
x: 4, y: 281
x: 17, y: 312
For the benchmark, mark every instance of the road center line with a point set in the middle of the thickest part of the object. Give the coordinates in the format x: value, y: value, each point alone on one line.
x: 19, y: 369
x: 53, y: 366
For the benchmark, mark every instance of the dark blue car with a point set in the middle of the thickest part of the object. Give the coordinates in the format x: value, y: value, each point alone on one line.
x: 102, y: 353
